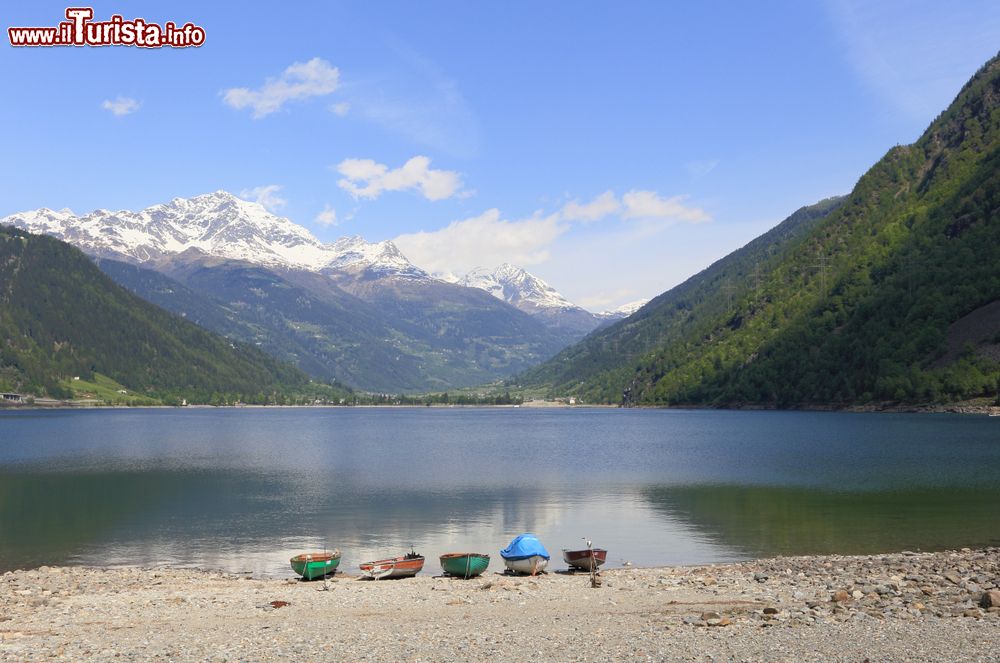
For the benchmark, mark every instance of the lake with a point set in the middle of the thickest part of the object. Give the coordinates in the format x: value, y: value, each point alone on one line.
x: 245, y: 489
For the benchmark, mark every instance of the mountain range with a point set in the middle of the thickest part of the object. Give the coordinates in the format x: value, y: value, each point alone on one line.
x: 65, y: 324
x: 890, y: 294
x: 216, y: 224
x: 350, y: 310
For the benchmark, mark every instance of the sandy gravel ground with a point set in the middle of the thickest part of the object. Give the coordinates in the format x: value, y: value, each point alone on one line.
x: 899, y: 607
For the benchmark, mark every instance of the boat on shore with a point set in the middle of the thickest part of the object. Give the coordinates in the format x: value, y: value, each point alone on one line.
x: 406, y: 566
x: 464, y: 565
x: 529, y: 565
x: 588, y: 559
x: 314, y: 565
x: 525, y: 554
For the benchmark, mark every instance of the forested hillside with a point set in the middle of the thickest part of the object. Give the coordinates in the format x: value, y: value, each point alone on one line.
x: 61, y: 318
x: 611, y: 352
x: 329, y: 336
x: 864, y: 304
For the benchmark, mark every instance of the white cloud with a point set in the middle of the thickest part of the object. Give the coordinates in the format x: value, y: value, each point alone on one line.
x: 649, y: 205
x: 634, y: 205
x: 121, y: 106
x: 328, y: 217
x: 486, y: 239
x: 600, y: 207
x: 301, y: 80
x: 364, y: 178
x: 603, y: 267
x: 641, y: 248
x: 340, y: 109
x: 265, y: 195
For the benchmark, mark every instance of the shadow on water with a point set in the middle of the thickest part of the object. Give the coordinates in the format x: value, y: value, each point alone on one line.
x: 777, y: 520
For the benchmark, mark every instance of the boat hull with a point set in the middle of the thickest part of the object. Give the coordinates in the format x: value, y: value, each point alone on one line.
x: 530, y: 565
x: 396, y: 567
x: 587, y: 560
x: 316, y: 565
x: 464, y: 565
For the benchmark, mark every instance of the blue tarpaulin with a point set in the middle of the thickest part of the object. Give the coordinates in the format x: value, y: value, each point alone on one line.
x: 523, y: 547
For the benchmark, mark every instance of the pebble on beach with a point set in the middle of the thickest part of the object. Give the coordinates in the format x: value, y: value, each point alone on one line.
x: 895, y: 607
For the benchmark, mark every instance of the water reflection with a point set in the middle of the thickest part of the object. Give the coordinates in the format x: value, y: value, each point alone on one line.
x: 775, y: 520
x: 250, y: 522
x: 244, y: 490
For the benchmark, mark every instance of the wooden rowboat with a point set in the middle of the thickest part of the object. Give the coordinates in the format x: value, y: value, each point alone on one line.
x: 464, y: 565
x: 588, y: 559
x: 406, y: 566
x: 316, y: 564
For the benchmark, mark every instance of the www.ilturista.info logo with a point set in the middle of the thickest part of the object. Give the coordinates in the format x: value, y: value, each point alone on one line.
x: 80, y: 30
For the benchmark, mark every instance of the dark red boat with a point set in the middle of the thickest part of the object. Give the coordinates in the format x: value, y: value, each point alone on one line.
x: 406, y: 566
x: 588, y: 559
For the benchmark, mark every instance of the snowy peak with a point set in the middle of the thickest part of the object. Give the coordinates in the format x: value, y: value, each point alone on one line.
x: 448, y: 277
x: 217, y: 224
x: 623, y: 311
x: 517, y: 287
x: 535, y: 297
x: 631, y: 307
x: 380, y: 258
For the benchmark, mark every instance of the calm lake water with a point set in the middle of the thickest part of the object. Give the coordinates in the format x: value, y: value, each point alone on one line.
x: 243, y: 490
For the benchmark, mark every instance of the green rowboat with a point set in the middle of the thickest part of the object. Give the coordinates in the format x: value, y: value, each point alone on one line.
x: 316, y: 564
x: 464, y: 565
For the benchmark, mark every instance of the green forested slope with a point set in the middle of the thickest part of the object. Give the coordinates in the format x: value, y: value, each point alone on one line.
x: 856, y: 309
x: 60, y: 317
x: 332, y: 337
x: 602, y: 364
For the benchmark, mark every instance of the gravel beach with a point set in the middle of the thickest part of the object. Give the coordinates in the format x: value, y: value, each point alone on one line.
x: 898, y: 607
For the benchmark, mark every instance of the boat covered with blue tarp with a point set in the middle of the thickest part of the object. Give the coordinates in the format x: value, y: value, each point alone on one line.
x: 525, y: 554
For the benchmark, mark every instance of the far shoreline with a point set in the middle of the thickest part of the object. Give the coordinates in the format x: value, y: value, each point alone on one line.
x: 945, y: 408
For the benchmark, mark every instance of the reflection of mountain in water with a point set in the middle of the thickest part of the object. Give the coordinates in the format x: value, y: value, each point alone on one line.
x: 199, y: 517
x: 770, y: 520
x: 45, y: 517
x: 243, y: 489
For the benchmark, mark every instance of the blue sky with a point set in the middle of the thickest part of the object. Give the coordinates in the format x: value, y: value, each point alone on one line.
x: 613, y: 149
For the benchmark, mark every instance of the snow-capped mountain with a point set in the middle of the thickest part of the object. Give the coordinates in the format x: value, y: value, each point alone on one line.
x: 529, y: 293
x: 352, y: 310
x: 217, y: 224
x: 532, y: 295
x: 623, y: 311
x: 383, y: 257
x: 517, y: 287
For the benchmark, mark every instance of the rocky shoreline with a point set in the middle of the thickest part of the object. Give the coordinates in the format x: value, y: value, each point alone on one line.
x: 906, y: 606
